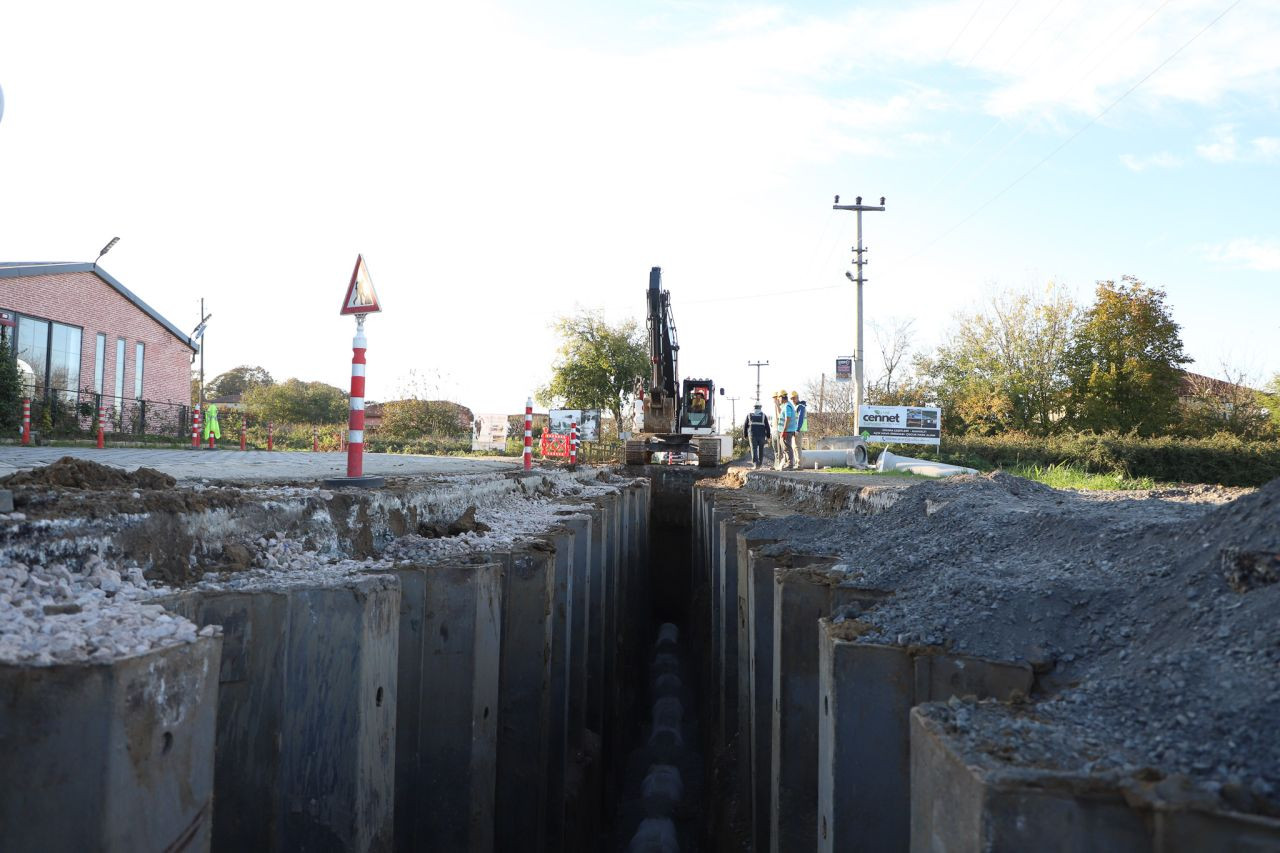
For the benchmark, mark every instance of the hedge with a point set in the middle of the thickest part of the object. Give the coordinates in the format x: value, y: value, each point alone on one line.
x: 1223, y: 459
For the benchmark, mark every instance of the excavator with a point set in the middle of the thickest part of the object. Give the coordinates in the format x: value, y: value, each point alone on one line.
x: 674, y: 418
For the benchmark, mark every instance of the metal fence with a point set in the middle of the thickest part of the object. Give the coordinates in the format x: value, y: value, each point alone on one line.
x: 67, y: 414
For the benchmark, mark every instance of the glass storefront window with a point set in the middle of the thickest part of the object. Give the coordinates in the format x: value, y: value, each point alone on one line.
x: 99, y: 362
x: 33, y: 354
x: 119, y: 389
x: 64, y: 360
x: 137, y: 370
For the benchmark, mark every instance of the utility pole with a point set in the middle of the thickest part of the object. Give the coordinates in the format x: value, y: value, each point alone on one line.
x: 197, y: 334
x: 858, y: 252
x: 757, y: 365
x: 733, y: 407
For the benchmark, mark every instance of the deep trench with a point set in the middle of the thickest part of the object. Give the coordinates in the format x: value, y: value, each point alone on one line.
x: 662, y: 786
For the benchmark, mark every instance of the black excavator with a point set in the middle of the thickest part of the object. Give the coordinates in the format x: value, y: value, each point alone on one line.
x: 675, y: 418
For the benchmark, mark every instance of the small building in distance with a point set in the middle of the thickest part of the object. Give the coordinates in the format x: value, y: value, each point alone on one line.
x: 81, y: 337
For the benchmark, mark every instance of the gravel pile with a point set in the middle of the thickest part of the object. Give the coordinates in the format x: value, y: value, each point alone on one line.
x: 1151, y: 650
x: 51, y: 615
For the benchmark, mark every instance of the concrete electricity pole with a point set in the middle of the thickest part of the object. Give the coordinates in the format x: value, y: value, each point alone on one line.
x: 733, y: 407
x: 858, y: 250
x: 757, y: 365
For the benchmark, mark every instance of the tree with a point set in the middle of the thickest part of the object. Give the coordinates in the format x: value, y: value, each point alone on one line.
x: 296, y: 402
x: 10, y: 390
x: 237, y: 381
x: 409, y: 419
x: 1125, y: 363
x: 597, y: 364
x: 1005, y: 368
x: 894, y: 342
x: 1269, y: 400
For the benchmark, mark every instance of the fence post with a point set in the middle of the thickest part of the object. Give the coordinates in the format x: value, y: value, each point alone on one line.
x: 26, y: 421
x: 528, y: 434
x: 270, y: 437
x: 573, y: 442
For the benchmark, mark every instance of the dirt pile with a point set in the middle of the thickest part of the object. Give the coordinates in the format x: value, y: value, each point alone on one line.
x: 71, y: 473
x: 1130, y: 609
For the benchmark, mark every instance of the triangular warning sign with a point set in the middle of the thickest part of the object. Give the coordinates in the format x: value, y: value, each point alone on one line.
x: 361, y: 298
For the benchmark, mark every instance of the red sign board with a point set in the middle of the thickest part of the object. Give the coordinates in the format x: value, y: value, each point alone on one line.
x: 361, y: 297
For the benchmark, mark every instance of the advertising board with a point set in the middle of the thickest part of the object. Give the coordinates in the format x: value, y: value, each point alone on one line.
x: 844, y: 368
x: 588, y: 421
x: 489, y: 432
x: 900, y: 424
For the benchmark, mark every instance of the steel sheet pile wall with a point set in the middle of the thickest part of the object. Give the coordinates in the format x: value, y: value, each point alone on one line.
x: 824, y: 742
x: 110, y: 756
x: 457, y: 703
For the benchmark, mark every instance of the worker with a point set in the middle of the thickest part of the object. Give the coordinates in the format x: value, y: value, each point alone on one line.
x: 787, y: 423
x: 756, y: 430
x: 802, y: 409
x: 778, y: 398
x: 211, y: 428
x: 699, y: 401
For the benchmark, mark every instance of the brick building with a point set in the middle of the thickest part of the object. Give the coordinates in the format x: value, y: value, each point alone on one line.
x: 81, y: 334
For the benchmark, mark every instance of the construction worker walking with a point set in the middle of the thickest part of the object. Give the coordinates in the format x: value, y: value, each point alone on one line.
x: 756, y: 430
x: 802, y: 408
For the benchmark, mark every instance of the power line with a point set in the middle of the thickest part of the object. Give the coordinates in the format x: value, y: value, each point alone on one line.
x: 992, y: 34
x: 964, y: 29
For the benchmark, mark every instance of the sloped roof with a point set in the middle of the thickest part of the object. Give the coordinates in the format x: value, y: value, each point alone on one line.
x: 26, y: 270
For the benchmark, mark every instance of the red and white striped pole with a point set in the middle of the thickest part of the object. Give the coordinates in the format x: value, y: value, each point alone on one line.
x: 195, y: 428
x: 101, y: 418
x: 270, y: 437
x: 573, y: 442
x: 528, y: 434
x: 26, y: 421
x: 243, y: 427
x: 355, y: 425
x: 315, y: 439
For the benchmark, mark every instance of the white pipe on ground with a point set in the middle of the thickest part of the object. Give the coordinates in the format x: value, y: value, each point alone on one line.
x: 892, y: 462
x: 828, y: 459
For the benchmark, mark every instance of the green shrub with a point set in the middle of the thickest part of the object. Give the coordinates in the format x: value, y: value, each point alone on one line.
x: 1223, y: 459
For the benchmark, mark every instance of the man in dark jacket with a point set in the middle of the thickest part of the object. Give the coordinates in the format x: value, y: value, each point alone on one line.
x: 756, y: 429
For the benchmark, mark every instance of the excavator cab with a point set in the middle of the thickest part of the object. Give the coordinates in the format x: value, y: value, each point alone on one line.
x: 698, y: 411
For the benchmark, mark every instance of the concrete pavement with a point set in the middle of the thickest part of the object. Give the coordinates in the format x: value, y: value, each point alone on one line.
x: 252, y: 465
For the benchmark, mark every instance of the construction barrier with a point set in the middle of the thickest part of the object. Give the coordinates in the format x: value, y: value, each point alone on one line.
x: 554, y: 444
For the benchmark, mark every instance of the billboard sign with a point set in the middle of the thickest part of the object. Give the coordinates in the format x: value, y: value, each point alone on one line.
x: 489, y: 432
x: 844, y: 368
x: 588, y: 421
x: 900, y: 424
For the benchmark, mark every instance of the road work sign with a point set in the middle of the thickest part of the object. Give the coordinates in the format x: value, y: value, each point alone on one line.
x: 900, y: 424
x: 361, y: 297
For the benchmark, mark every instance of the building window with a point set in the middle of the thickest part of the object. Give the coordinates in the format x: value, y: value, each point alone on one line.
x: 64, y: 359
x: 99, y: 362
x: 139, y: 354
x: 33, y: 354
x: 119, y: 395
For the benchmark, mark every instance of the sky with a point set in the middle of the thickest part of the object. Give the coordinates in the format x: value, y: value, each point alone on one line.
x: 500, y: 164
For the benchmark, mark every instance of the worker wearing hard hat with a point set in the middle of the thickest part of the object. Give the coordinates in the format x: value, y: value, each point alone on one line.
x: 787, y: 425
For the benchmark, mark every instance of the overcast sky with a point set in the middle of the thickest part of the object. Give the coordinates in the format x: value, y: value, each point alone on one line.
x: 499, y: 163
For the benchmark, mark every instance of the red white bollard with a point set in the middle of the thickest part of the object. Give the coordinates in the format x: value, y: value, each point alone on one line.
x: 355, y: 423
x: 26, y: 422
x: 528, y: 434
x: 195, y: 429
x: 573, y: 443
x: 101, y: 429
x: 270, y: 437
x: 211, y: 447
x: 315, y: 440
x: 242, y: 436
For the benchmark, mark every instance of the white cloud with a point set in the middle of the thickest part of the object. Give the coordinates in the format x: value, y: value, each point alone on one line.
x: 1246, y: 253
x: 1159, y: 160
x: 1223, y: 148
x: 1266, y: 147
